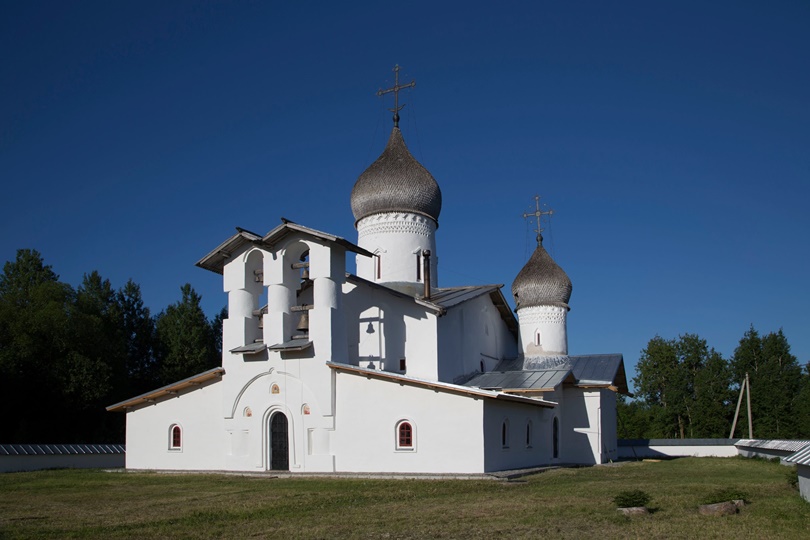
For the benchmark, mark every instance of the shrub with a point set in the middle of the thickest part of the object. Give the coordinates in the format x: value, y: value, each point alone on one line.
x: 792, y: 475
x: 630, y: 499
x: 725, y: 494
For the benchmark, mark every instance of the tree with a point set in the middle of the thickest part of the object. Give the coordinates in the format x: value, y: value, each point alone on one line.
x: 139, y: 334
x: 775, y: 378
x: 685, y: 384
x: 34, y: 344
x: 186, y: 339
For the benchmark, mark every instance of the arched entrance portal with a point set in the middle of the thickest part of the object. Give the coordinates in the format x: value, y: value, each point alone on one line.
x: 278, y: 445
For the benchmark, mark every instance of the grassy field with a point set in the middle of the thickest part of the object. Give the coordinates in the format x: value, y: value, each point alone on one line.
x: 563, y: 503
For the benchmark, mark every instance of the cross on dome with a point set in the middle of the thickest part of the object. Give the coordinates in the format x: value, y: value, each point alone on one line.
x: 395, y: 89
x: 538, y: 214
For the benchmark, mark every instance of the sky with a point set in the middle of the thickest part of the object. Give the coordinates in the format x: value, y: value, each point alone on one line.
x: 671, y: 139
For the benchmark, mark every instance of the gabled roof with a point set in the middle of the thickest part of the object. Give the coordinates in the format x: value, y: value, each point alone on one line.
x: 547, y: 373
x: 774, y: 444
x: 215, y: 261
x: 437, y: 386
x: 169, y: 389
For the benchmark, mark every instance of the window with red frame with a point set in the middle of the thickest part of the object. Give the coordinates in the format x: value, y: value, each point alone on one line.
x: 405, y: 435
x: 177, y: 437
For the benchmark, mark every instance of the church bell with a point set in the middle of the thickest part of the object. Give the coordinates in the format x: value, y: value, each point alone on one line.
x: 303, y: 322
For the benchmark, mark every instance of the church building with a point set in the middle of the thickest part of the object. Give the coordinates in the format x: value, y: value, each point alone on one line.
x: 382, y: 370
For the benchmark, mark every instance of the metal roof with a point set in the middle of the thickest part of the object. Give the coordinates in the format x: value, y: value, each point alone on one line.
x: 169, y: 389
x: 438, y: 386
x: 802, y: 457
x: 59, y: 449
x: 774, y: 444
x: 520, y: 380
x: 250, y: 348
x: 293, y: 345
x: 215, y: 260
x: 600, y: 369
x: 548, y: 372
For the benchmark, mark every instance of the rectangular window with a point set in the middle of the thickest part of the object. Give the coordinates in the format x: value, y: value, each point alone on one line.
x: 402, y: 364
x: 418, y: 268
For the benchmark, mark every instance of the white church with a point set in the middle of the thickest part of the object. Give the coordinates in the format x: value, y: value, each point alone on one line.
x: 382, y: 370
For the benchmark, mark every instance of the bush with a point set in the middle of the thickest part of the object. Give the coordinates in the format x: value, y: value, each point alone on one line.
x: 792, y: 475
x: 725, y: 494
x: 630, y: 499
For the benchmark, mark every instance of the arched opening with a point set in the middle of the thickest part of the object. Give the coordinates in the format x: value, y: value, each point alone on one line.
x: 279, y: 444
x: 405, y: 436
x: 175, y: 437
x: 555, y: 437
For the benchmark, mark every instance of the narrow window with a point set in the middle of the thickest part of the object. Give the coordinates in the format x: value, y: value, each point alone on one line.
x: 402, y: 364
x: 405, y: 435
x: 176, y: 442
x: 482, y: 366
x: 378, y: 270
x: 556, y: 439
x: 528, y: 434
x: 505, y: 434
x: 537, y: 338
x: 418, y: 268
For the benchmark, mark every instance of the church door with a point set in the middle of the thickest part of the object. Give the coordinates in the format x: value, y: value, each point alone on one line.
x: 279, y: 443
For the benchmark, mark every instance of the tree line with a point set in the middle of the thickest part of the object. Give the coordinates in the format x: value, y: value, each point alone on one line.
x: 67, y: 353
x: 686, y: 389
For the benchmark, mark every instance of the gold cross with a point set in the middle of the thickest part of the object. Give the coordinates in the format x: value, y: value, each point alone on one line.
x: 538, y: 214
x: 395, y: 89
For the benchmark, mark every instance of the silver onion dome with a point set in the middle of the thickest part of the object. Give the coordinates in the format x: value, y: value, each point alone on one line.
x: 396, y: 182
x: 541, y: 282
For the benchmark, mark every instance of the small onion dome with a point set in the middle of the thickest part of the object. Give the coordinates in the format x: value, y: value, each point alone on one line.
x: 541, y: 282
x: 396, y: 182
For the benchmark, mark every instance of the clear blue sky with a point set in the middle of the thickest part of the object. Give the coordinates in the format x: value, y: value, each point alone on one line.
x: 672, y: 139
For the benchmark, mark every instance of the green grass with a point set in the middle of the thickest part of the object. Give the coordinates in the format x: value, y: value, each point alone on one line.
x: 564, y: 503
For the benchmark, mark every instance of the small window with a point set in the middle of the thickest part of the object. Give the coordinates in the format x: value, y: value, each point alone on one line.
x: 528, y: 434
x: 556, y: 439
x: 175, y: 438
x: 402, y: 364
x: 538, y: 339
x: 505, y: 434
x: 377, y: 265
x: 405, y: 435
x: 418, y: 268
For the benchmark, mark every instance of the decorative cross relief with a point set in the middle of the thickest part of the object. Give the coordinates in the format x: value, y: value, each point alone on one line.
x: 537, y: 215
x: 395, y: 89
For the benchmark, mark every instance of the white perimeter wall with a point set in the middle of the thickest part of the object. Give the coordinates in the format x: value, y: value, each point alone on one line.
x: 199, y: 414
x: 686, y: 450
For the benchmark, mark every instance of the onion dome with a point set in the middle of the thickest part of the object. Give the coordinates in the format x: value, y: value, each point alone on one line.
x: 396, y: 182
x: 541, y: 282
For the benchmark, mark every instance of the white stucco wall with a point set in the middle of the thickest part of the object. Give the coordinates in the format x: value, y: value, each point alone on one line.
x: 396, y: 238
x: 670, y: 450
x: 367, y: 414
x: 470, y: 334
x: 581, y: 427
x: 543, y: 330
x: 519, y: 451
x: 197, y: 412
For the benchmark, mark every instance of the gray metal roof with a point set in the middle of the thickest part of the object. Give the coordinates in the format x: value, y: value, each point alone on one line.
x: 453, y: 296
x: 292, y: 345
x: 250, y: 348
x: 520, y: 380
x: 60, y: 449
x: 598, y: 369
x: 774, y: 444
x: 551, y: 371
x: 541, y: 282
x: 396, y: 182
x: 802, y: 457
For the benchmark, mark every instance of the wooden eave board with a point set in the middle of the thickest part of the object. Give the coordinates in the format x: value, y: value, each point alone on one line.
x: 170, y: 389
